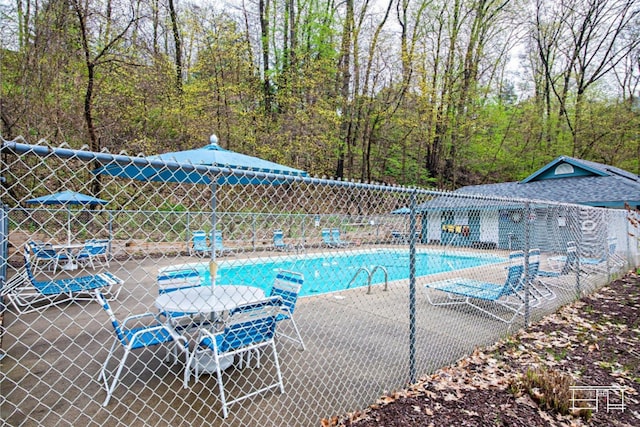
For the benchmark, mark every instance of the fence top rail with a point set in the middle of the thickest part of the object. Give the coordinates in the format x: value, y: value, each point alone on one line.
x: 43, y: 149
x: 107, y: 158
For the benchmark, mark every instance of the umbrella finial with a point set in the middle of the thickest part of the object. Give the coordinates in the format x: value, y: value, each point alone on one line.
x: 213, y: 139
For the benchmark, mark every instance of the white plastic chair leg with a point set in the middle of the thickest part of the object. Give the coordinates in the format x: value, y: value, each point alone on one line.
x: 298, y: 333
x: 116, y: 377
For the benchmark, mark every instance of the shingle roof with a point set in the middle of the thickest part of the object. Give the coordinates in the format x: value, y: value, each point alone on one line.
x: 616, y: 187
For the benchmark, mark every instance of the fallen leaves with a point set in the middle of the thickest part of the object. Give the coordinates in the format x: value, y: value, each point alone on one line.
x: 574, y: 340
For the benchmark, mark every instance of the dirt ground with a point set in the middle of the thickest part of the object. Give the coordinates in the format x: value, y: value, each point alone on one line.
x: 524, y: 380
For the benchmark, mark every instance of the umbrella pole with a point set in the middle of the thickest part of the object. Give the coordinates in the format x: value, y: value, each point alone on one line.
x: 68, y: 226
x: 213, y: 266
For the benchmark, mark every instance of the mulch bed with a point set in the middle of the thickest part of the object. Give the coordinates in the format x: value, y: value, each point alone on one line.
x: 524, y: 380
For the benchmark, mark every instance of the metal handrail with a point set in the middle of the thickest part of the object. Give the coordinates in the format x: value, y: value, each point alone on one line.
x: 356, y: 275
x: 370, y: 276
x: 386, y: 278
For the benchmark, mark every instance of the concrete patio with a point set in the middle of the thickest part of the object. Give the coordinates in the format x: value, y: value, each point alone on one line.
x: 357, y: 349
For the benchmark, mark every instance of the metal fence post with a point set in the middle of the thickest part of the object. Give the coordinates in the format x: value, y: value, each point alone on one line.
x: 253, y: 232
x: 578, y: 251
x: 527, y: 246
x: 4, y: 256
x: 628, y: 234
x: 606, y: 220
x: 187, y: 234
x: 412, y: 290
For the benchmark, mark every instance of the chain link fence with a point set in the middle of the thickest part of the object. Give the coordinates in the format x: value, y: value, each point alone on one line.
x: 396, y: 283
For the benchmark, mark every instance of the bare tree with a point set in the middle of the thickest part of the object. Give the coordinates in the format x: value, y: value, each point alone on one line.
x: 343, y: 83
x: 177, y: 45
x: 264, y: 7
x: 94, y: 59
x: 579, y: 43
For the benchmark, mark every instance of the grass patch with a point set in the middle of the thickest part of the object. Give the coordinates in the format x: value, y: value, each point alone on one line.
x: 550, y: 389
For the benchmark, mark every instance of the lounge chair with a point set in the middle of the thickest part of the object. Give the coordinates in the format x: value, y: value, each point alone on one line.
x: 462, y: 290
x: 569, y: 263
x: 616, y: 259
x: 399, y: 237
x: 218, y: 245
x: 539, y: 289
x: 199, y: 244
x: 327, y: 241
x: 136, y: 333
x: 279, y: 243
x: 337, y: 241
x: 249, y: 327
x: 28, y: 294
x: 587, y: 265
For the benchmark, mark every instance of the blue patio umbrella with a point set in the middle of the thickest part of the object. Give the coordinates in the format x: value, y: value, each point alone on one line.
x: 211, y: 165
x: 67, y: 198
x: 194, y: 167
x: 401, y: 211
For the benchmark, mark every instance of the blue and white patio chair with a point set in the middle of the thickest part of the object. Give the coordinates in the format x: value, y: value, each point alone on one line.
x: 462, y: 290
x: 199, y: 243
x: 587, y: 265
x: 279, y: 243
x: 327, y: 241
x: 539, y: 289
x: 27, y: 294
x: 399, y: 238
x: 569, y: 263
x: 177, y: 277
x: 286, y: 286
x: 136, y: 333
x: 44, y: 255
x: 249, y: 327
x: 614, y: 257
x: 218, y: 244
x: 609, y: 260
x: 94, y: 250
x: 337, y: 241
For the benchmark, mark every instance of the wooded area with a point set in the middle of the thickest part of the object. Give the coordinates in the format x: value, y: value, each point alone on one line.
x: 415, y: 92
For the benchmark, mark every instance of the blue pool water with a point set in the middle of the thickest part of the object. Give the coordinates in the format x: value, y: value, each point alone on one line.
x: 325, y: 273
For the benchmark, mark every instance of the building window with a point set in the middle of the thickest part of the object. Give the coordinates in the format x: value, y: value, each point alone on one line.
x: 564, y: 169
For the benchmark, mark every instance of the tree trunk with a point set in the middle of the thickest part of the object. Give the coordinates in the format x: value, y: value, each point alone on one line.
x: 344, y: 79
x: 177, y: 44
x: 263, y: 5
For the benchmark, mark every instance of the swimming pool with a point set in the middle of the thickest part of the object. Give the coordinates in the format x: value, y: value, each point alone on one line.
x: 332, y: 272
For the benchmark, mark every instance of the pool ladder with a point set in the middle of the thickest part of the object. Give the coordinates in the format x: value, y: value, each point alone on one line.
x: 370, y: 276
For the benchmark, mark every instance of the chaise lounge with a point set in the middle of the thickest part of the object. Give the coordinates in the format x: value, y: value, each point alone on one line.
x: 462, y: 290
x: 27, y: 294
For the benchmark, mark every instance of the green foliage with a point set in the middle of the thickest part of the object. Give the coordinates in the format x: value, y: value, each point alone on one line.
x: 170, y: 207
x: 448, y: 119
x: 549, y: 388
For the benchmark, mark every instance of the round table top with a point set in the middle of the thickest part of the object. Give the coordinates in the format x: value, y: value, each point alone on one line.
x: 208, y: 299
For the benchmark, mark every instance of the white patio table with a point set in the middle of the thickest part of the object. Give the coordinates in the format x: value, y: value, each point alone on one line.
x: 70, y: 250
x: 208, y: 301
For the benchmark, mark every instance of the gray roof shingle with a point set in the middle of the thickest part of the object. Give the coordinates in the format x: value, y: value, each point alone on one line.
x: 612, y: 190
